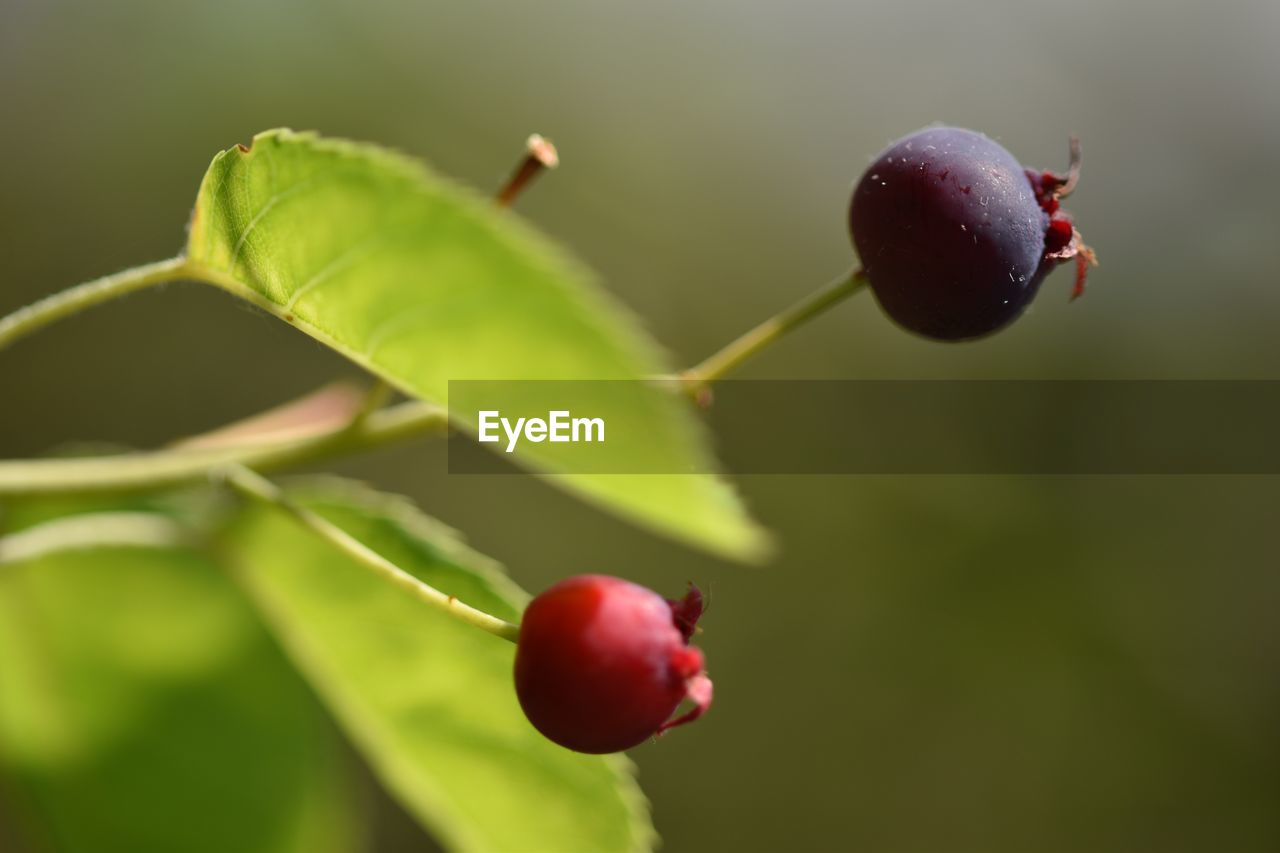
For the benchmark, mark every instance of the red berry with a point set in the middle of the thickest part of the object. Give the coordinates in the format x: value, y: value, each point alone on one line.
x: 602, y: 663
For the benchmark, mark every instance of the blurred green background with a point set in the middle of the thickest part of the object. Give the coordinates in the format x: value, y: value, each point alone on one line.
x: 932, y: 663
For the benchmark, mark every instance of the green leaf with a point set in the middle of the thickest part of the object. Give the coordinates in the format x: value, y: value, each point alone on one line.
x: 428, y: 700
x: 143, y: 708
x: 422, y: 282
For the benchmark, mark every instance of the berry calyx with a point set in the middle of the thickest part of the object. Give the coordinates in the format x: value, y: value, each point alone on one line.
x: 602, y: 664
x: 1062, y: 241
x: 955, y: 235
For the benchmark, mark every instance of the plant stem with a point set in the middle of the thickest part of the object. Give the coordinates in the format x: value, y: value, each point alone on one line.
x: 378, y: 395
x: 91, y: 530
x: 744, y: 347
x: 36, y: 316
x: 256, y: 487
x: 539, y: 155
x: 164, y: 468
x: 156, y: 469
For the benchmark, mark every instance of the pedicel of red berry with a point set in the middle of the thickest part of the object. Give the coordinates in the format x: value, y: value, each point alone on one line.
x: 602, y: 664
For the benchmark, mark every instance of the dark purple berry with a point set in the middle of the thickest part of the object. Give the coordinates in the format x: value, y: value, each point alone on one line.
x: 602, y: 663
x: 955, y: 235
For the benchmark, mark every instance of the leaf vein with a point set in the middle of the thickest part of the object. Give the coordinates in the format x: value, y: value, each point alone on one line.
x: 390, y: 326
x: 341, y: 261
x: 266, y: 208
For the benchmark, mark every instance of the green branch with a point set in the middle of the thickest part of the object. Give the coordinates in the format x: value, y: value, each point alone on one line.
x: 257, y: 488
x: 36, y: 316
x: 162, y: 468
x: 744, y: 347
x: 91, y: 530
x: 151, y: 470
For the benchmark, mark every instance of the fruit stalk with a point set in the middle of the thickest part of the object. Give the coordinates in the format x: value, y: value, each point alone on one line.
x: 744, y: 347
x: 256, y: 487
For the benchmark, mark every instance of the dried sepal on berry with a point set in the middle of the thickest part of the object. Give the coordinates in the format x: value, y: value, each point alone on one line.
x: 1062, y: 241
x: 686, y: 612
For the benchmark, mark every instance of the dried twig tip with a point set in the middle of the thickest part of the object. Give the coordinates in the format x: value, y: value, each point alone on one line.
x: 539, y: 154
x: 543, y: 151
